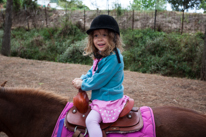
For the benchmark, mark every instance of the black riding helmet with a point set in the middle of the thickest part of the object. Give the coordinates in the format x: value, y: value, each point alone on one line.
x: 105, y: 22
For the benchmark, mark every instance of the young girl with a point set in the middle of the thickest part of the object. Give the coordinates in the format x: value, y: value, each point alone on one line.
x: 105, y: 76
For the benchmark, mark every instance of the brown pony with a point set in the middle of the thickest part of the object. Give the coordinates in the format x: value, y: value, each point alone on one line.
x: 34, y: 112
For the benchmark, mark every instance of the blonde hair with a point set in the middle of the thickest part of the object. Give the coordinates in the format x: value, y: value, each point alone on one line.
x: 90, y: 48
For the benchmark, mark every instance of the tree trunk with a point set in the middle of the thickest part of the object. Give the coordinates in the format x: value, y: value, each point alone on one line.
x: 203, y: 69
x: 5, y: 50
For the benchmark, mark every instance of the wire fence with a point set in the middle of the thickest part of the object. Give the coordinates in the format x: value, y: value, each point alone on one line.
x: 167, y: 21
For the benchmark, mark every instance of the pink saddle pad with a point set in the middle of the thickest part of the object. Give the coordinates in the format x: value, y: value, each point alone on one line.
x: 148, y: 129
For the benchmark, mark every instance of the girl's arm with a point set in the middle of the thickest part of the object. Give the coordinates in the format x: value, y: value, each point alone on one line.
x: 77, y: 82
x: 100, y: 79
x: 88, y: 75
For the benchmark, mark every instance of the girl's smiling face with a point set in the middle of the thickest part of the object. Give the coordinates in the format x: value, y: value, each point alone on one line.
x: 100, y: 39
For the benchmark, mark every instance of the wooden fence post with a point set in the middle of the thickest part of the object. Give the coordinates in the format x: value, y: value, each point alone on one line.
x: 97, y: 11
x: 155, y: 20
x: 46, y: 16
x: 27, y: 19
x: 132, y: 19
x: 84, y: 19
x: 182, y: 20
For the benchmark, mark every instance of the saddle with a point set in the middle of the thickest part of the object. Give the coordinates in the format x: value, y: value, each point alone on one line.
x: 130, y: 120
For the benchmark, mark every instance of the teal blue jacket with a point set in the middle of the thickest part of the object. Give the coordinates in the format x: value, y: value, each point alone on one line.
x: 106, y: 83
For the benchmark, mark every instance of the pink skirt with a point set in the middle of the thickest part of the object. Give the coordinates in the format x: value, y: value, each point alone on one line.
x: 109, y: 110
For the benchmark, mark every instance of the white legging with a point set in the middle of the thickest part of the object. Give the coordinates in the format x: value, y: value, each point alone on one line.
x: 92, y: 123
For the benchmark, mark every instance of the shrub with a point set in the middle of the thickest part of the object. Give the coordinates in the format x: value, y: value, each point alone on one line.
x: 43, y: 44
x: 167, y: 54
x: 74, y: 54
x: 146, y: 51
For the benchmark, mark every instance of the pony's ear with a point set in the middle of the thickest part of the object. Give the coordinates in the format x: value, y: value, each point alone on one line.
x: 3, y: 84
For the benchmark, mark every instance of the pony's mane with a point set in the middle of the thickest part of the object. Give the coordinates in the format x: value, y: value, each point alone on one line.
x: 34, y: 92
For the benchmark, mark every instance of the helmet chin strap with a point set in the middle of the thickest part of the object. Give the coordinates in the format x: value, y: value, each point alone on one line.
x: 115, y: 49
x: 98, y: 57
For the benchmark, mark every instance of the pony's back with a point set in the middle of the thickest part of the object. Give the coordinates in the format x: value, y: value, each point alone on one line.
x: 179, y: 122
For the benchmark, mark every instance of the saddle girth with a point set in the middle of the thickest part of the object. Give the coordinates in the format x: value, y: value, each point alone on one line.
x: 132, y: 122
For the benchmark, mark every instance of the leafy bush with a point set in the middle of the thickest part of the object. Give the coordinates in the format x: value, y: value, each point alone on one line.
x: 44, y: 44
x: 146, y: 51
x: 167, y: 54
x: 74, y: 54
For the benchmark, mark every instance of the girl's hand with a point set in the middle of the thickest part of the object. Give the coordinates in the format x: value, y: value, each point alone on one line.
x: 75, y: 80
x: 77, y: 83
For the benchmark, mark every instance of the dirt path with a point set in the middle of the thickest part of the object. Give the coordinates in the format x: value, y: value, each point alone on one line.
x: 147, y: 89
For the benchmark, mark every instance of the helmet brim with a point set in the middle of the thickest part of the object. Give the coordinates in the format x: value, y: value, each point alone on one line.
x: 92, y: 29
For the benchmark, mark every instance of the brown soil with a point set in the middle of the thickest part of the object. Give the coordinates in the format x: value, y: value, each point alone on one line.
x: 147, y: 89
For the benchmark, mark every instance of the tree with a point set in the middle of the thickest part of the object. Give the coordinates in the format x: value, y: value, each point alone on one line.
x: 203, y: 70
x: 203, y: 5
x: 5, y: 49
x: 30, y: 4
x: 182, y: 5
x: 148, y: 4
x: 118, y: 8
x: 95, y: 4
x: 16, y: 5
x: 72, y: 4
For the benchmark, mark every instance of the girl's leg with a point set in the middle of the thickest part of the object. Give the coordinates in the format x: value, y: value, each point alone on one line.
x: 92, y: 123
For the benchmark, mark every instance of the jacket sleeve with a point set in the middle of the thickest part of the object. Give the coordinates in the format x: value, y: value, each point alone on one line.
x: 101, y: 78
x: 88, y: 75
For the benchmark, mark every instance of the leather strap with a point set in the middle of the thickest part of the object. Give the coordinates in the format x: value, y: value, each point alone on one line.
x: 77, y: 133
x: 104, y: 133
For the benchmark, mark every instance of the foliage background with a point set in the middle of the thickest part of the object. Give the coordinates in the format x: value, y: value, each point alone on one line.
x: 146, y: 51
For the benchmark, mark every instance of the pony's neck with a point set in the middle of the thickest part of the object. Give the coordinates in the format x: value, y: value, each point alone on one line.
x: 23, y: 109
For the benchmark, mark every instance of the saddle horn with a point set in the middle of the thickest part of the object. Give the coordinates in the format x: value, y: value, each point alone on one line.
x: 81, y: 101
